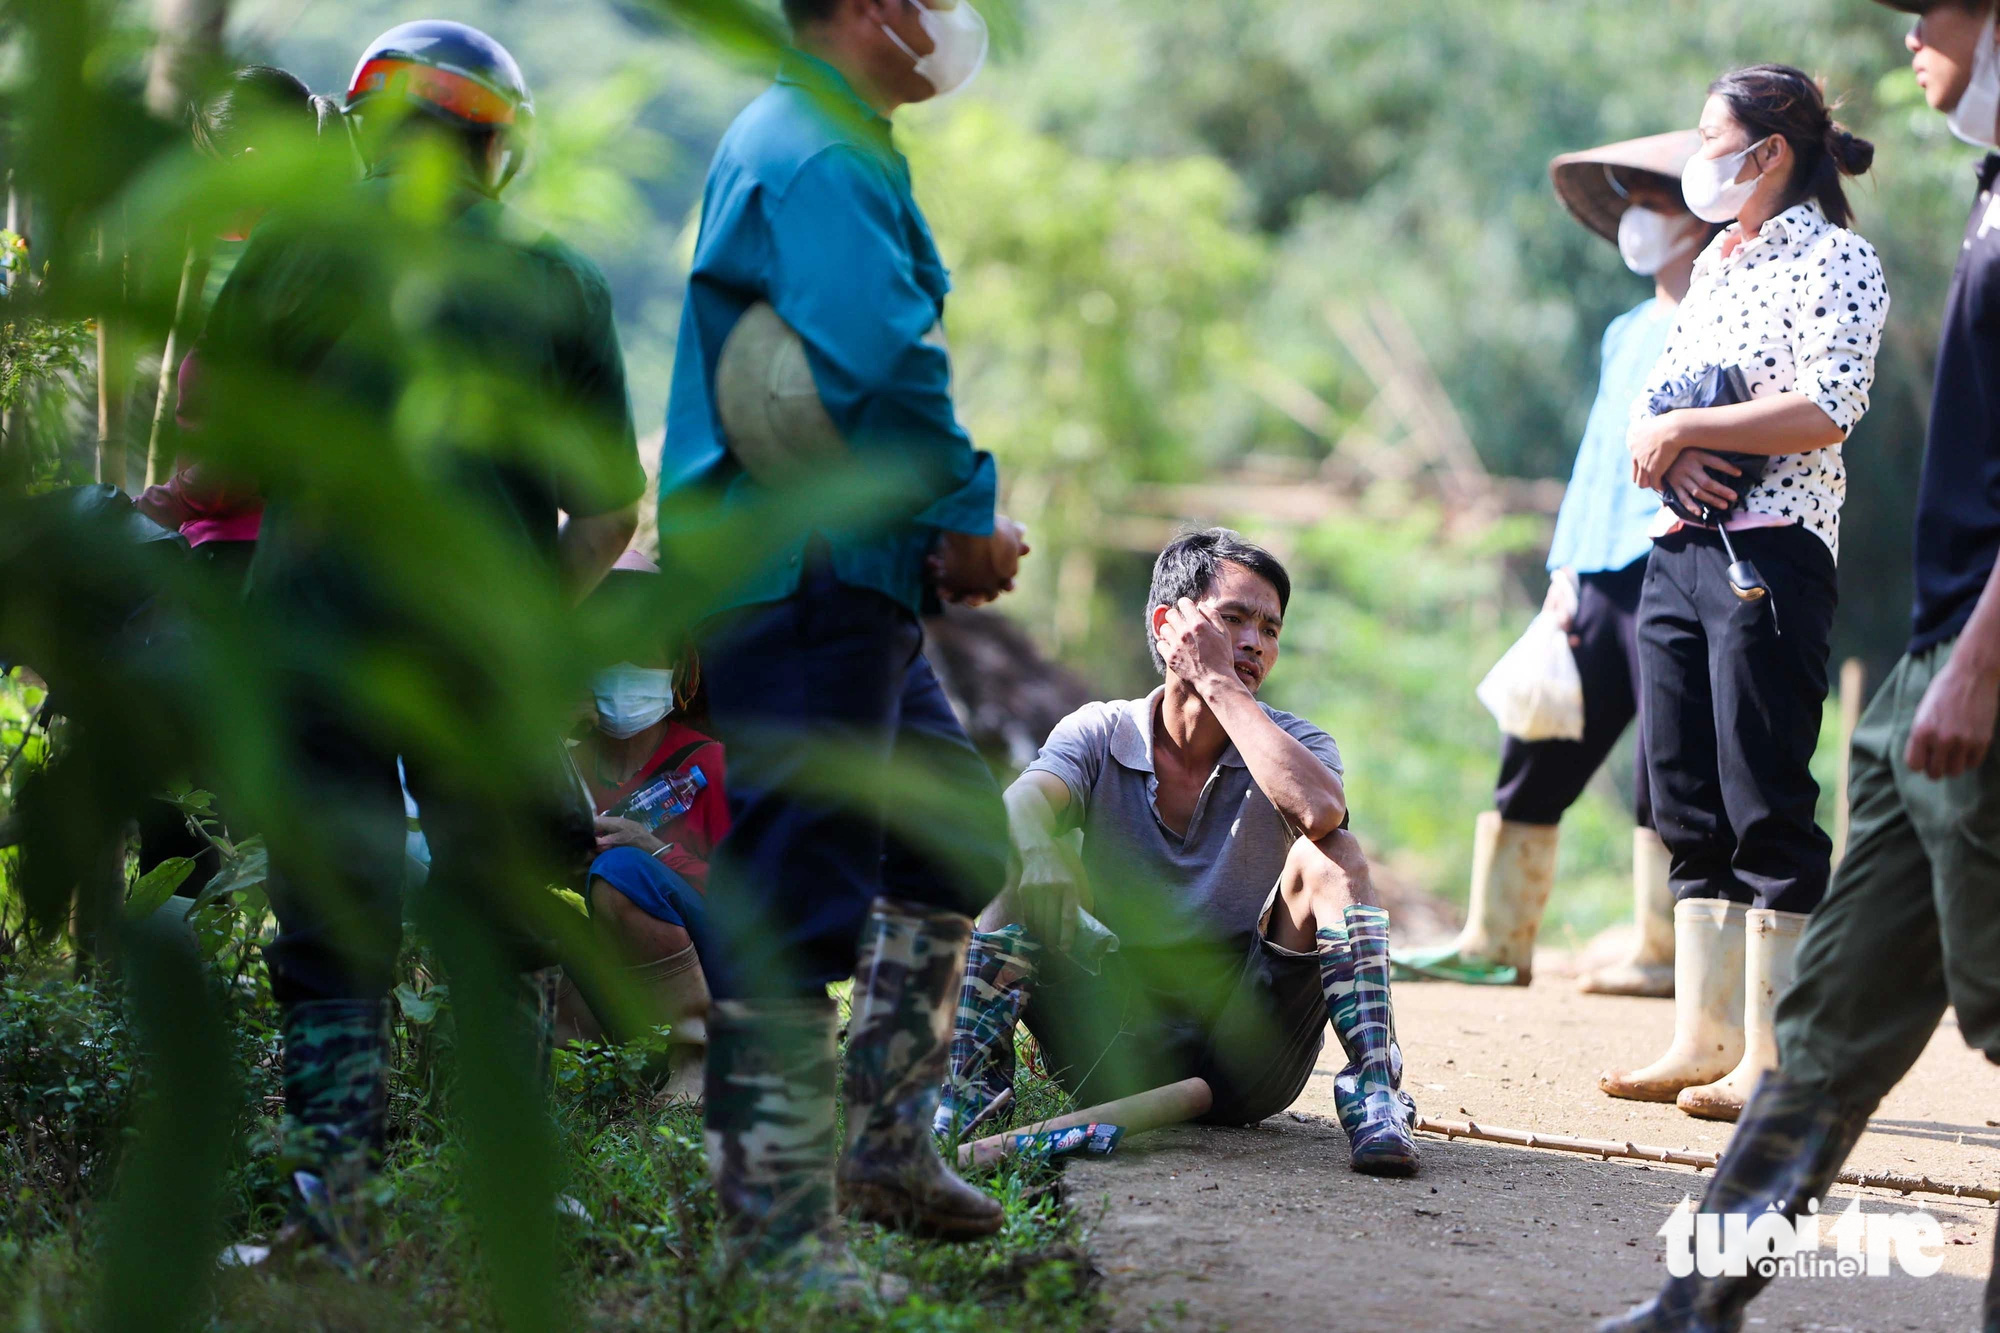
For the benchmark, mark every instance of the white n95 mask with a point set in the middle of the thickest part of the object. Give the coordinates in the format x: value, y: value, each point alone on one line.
x: 1649, y: 241
x: 1710, y: 186
x: 632, y: 698
x: 958, y: 44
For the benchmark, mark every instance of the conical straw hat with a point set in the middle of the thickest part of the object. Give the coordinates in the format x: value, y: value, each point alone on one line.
x: 1583, y: 180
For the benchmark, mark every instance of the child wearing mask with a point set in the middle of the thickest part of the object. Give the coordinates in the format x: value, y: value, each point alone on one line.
x: 657, y: 787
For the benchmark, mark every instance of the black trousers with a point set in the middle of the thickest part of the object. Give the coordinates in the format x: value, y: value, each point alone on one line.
x: 1541, y: 780
x: 1248, y: 1017
x: 850, y: 779
x: 338, y: 884
x: 1733, y: 695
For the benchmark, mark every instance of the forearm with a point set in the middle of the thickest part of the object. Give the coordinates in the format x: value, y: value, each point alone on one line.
x: 589, y: 546
x: 1298, y: 785
x: 1032, y: 822
x: 1784, y: 423
x: 1978, y: 649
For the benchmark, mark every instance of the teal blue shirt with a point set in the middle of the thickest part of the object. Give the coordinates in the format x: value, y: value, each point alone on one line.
x: 1604, y: 518
x: 808, y: 206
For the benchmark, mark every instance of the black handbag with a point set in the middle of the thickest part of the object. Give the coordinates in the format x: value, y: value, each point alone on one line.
x: 1718, y: 386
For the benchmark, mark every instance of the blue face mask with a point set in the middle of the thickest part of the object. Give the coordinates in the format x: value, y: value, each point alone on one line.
x: 632, y: 698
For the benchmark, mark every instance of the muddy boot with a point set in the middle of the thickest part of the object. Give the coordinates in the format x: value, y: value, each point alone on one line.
x: 676, y: 995
x: 1708, y: 1005
x: 898, y: 1044
x: 1379, y: 1117
x: 1650, y: 969
x: 769, y: 1126
x: 1787, y: 1148
x: 336, y: 1079
x: 999, y: 969
x: 1770, y: 943
x: 1513, y: 870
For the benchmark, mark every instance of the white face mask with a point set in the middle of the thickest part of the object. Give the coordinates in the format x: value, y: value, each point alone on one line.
x: 631, y: 698
x: 1979, y: 106
x: 1649, y: 241
x: 1710, y: 186
x: 958, y: 45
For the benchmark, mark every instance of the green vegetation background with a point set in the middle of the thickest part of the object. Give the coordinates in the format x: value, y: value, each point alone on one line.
x: 1147, y: 208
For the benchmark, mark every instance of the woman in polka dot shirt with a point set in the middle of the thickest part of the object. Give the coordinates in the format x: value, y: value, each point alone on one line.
x: 1734, y: 689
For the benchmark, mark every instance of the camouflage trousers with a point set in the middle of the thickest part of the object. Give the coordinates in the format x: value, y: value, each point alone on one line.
x: 900, y: 1035
x: 336, y: 1079
x: 769, y: 1113
x: 999, y: 968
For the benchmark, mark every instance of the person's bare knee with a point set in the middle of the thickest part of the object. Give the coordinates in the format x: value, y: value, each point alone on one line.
x: 1335, y: 871
x: 635, y: 937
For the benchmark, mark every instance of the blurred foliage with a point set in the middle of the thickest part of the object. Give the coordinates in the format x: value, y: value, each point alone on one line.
x: 1148, y: 209
x: 638, y: 1218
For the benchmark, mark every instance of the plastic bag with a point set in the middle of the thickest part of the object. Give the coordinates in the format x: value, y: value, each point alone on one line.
x: 1534, y: 691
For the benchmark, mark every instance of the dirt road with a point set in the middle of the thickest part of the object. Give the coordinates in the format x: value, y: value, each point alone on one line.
x: 1266, y: 1228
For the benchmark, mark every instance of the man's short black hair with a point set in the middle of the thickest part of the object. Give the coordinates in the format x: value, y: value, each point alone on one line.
x: 1188, y: 566
x: 801, y: 12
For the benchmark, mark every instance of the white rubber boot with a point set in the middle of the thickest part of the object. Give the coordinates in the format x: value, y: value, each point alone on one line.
x: 1513, y: 870
x: 1771, y: 946
x: 1650, y: 969
x: 1708, y: 1005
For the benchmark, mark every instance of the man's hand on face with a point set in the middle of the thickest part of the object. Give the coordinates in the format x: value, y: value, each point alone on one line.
x: 972, y: 571
x: 1051, y: 889
x: 1196, y: 647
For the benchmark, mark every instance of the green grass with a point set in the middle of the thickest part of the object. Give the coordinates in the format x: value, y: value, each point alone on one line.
x: 639, y: 1253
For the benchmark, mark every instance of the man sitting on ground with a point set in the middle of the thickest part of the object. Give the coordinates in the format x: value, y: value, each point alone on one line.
x: 1215, y: 846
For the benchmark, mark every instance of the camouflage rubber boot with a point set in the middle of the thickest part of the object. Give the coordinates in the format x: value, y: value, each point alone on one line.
x: 999, y: 968
x: 769, y: 1115
x: 1990, y: 1320
x: 1379, y: 1117
x: 336, y: 1079
x: 1788, y: 1146
x: 898, y: 1042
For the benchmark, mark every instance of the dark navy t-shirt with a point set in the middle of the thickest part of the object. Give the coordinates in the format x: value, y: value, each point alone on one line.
x: 1958, y: 505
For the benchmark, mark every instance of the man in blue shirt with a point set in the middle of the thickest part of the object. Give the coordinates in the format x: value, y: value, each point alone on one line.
x: 808, y: 216
x: 1628, y: 193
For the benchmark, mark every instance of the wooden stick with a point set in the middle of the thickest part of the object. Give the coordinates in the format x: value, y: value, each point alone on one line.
x: 1155, y: 1109
x: 1853, y: 682
x: 1606, y: 1149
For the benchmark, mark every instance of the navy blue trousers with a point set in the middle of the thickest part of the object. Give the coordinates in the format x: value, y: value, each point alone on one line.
x: 849, y: 779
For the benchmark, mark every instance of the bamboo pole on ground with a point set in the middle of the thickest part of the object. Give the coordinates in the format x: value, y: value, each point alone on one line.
x: 1606, y: 1149
x: 1154, y: 1109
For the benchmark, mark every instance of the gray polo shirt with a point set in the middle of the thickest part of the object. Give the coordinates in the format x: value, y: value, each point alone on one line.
x: 1149, y: 884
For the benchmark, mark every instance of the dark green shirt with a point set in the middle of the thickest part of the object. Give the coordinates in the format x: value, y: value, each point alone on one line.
x: 476, y: 358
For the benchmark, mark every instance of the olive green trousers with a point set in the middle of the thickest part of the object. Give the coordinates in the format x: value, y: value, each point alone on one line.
x: 1911, y: 923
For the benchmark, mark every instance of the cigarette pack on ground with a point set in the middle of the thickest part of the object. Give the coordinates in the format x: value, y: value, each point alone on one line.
x: 1097, y: 1140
